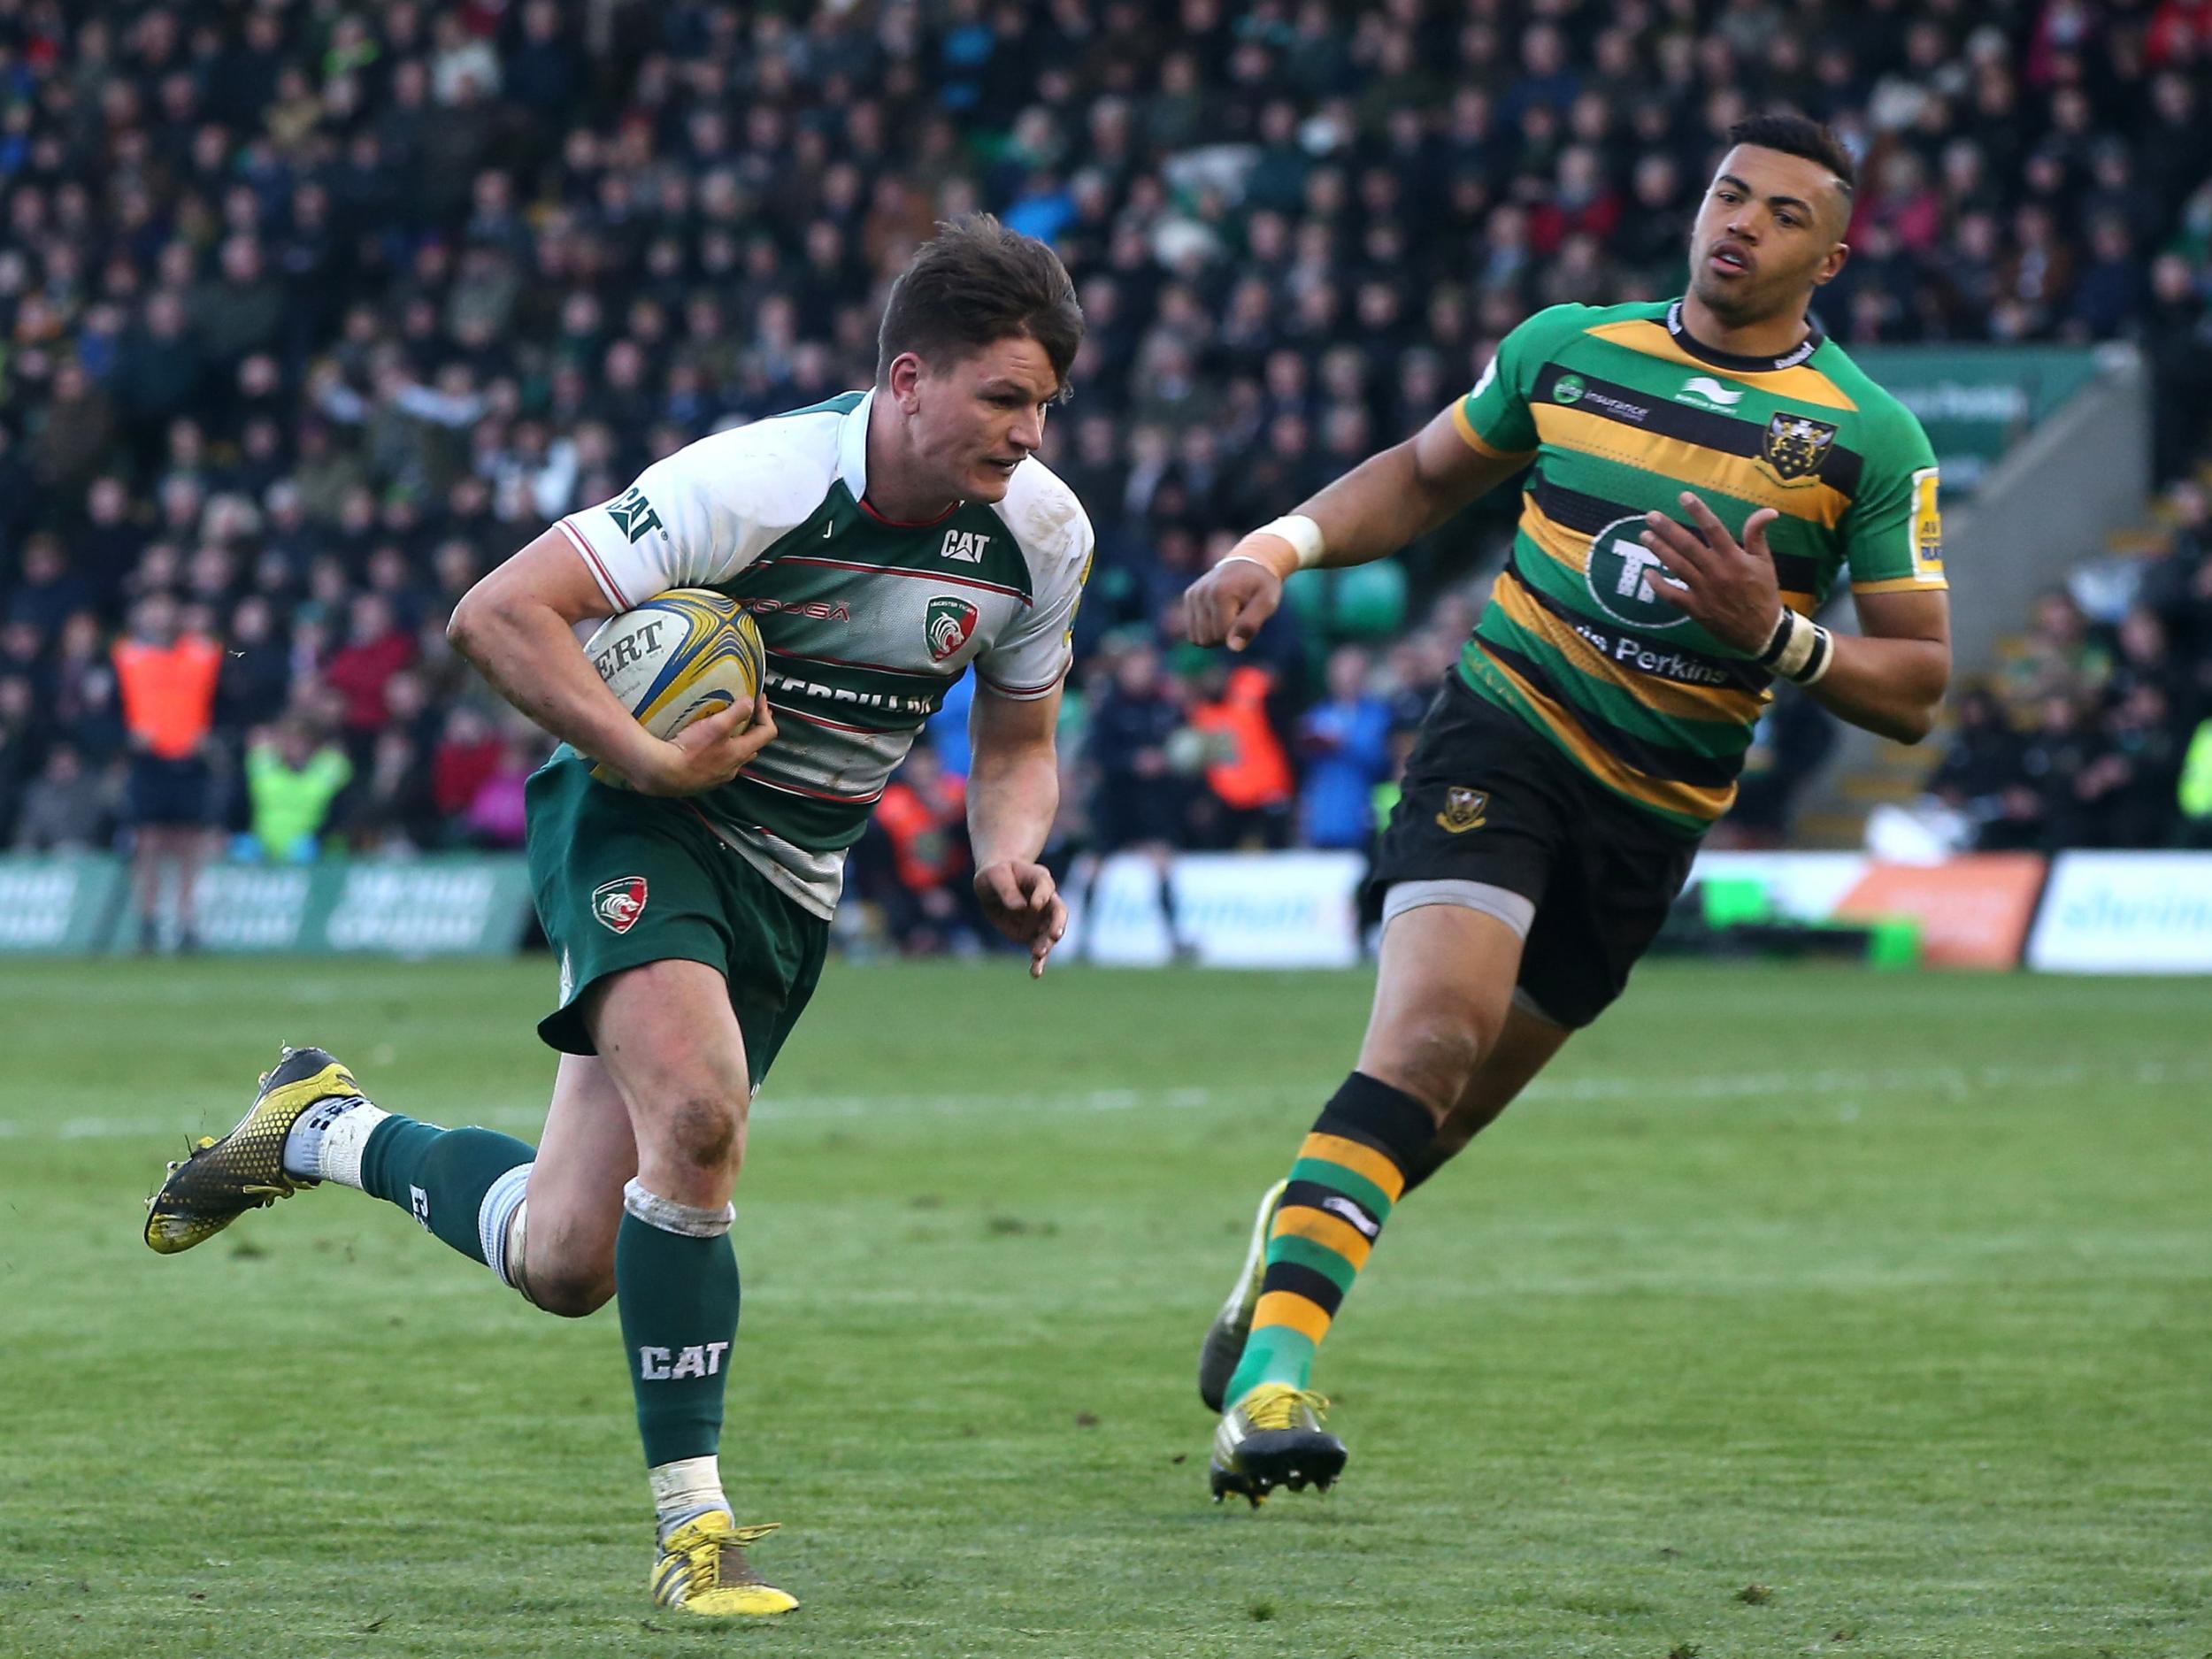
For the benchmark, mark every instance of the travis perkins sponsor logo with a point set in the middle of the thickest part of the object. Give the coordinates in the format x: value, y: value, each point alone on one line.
x: 891, y: 702
x: 1647, y: 659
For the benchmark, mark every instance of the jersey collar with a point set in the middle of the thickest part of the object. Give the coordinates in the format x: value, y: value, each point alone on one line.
x: 1735, y: 362
x: 852, y: 446
x: 852, y: 466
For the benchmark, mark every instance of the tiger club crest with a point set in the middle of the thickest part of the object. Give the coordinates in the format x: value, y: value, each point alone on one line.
x: 947, y: 622
x: 1464, y: 809
x: 619, y: 903
x: 1795, y: 446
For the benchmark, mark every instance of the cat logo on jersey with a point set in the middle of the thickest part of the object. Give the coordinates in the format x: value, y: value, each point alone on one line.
x: 1795, y: 446
x: 947, y: 622
x: 633, y: 514
x: 1464, y: 809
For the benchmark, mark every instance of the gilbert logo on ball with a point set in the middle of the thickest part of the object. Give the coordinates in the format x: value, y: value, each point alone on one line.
x: 619, y: 903
x: 947, y: 622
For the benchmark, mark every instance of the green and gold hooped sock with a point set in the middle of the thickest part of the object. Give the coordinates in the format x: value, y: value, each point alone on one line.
x: 1350, y: 1172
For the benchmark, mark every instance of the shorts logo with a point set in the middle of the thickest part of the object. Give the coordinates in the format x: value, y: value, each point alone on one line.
x: 418, y: 1202
x: 1795, y: 446
x: 947, y: 622
x: 1464, y: 809
x: 1337, y: 1204
x: 619, y: 903
x: 1620, y: 576
x: 1568, y: 388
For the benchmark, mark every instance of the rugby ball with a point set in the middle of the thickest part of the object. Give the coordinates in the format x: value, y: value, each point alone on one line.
x: 679, y: 658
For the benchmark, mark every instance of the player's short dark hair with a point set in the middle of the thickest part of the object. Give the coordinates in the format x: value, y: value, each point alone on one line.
x: 1798, y: 135
x: 976, y: 282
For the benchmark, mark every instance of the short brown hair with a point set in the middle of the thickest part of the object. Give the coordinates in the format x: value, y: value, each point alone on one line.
x: 976, y: 282
x: 1798, y: 135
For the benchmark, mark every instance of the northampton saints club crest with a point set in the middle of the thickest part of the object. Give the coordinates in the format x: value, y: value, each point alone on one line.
x: 619, y: 903
x: 1795, y: 446
x: 947, y: 622
x: 1464, y: 809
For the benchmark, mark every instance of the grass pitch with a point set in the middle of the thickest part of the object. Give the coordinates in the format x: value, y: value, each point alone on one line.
x: 1799, y: 1311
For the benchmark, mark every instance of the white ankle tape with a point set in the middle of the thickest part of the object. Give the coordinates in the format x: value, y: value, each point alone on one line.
x: 327, y: 1140
x: 670, y: 1216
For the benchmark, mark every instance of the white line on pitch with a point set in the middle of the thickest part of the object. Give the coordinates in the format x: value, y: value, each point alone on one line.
x: 1943, y: 1082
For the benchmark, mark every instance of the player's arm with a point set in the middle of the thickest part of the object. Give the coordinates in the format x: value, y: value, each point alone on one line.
x: 1889, y: 680
x: 517, y: 625
x: 1013, y: 792
x: 1386, y: 500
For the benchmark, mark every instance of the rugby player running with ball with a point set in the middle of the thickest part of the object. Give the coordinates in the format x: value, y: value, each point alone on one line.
x: 885, y: 542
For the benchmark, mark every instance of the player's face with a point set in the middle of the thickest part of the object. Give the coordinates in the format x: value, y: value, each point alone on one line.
x: 978, y: 418
x: 1771, y: 231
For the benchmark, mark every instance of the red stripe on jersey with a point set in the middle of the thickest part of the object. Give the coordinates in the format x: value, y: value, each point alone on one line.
x: 895, y: 570
x: 606, y: 577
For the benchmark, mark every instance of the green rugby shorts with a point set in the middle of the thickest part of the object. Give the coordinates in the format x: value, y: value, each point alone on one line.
x: 623, y: 878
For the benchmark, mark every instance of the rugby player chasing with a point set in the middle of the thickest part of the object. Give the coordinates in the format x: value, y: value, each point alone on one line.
x: 1703, y: 472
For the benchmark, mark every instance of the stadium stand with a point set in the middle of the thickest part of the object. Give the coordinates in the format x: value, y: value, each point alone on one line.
x: 313, y: 311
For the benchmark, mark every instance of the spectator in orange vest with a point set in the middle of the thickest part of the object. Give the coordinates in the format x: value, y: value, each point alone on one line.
x: 1248, y: 772
x: 167, y: 680
x: 928, y: 903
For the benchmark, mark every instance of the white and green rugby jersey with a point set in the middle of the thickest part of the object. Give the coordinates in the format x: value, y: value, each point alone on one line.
x: 868, y: 622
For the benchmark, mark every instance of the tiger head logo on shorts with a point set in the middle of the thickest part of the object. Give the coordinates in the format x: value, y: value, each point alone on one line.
x: 619, y: 903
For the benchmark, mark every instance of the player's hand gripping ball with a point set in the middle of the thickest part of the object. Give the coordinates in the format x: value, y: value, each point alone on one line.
x: 676, y: 659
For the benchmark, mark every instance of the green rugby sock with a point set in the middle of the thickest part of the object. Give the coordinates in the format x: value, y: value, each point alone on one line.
x: 1349, y: 1173
x: 463, y: 1184
x: 675, y: 1283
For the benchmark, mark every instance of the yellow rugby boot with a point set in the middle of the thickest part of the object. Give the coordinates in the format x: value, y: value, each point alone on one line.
x: 703, y: 1569
x: 1272, y: 1437
x: 223, y: 1177
x: 1225, y: 1337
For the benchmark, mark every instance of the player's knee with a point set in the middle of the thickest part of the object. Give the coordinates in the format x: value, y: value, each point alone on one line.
x: 569, y: 1293
x: 1432, y: 1058
x: 702, y: 1132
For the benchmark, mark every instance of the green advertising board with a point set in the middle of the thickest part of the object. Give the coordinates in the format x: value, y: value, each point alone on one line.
x: 64, y: 903
x: 1977, y: 402
x: 444, y: 905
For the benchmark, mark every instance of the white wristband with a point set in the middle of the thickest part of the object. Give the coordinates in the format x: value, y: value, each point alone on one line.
x: 1303, y: 535
x: 1799, y: 649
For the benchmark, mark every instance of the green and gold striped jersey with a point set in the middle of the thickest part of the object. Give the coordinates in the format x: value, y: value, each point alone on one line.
x: 1624, y: 411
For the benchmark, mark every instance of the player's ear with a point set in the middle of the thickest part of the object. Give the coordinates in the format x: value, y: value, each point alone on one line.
x: 1826, y: 271
x: 903, y: 380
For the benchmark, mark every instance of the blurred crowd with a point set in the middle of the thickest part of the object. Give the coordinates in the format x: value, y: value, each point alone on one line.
x: 310, y: 310
x: 2096, y: 731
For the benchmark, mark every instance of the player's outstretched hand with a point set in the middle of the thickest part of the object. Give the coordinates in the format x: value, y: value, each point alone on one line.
x: 1024, y: 904
x: 1728, y: 588
x: 1226, y: 605
x: 707, y: 752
